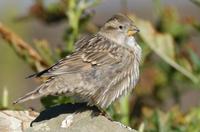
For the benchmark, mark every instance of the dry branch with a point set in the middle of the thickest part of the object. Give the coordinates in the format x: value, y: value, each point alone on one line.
x: 23, y: 49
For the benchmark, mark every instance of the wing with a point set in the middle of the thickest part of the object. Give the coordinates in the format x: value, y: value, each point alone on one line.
x: 95, y: 51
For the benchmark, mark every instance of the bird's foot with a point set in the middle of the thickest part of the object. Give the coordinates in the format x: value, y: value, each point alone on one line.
x: 105, y: 114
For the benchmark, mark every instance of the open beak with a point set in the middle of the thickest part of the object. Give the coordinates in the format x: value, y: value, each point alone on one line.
x: 132, y: 31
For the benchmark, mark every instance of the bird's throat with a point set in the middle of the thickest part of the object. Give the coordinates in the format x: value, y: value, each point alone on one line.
x: 130, y: 41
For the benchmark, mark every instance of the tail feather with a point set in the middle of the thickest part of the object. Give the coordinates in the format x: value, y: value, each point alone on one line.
x: 42, y: 90
x: 52, y: 86
x: 29, y: 96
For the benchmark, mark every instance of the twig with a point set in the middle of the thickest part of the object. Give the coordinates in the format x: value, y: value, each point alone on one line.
x: 23, y: 49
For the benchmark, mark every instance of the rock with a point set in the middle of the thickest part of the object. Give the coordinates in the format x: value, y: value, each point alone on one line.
x: 73, y: 118
x: 16, y: 121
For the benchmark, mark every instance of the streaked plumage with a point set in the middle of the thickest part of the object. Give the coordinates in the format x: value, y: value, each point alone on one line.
x: 103, y: 67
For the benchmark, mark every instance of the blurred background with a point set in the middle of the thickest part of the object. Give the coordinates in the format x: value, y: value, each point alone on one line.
x: 35, y: 34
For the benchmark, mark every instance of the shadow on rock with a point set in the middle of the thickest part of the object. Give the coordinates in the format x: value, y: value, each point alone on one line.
x: 55, y: 111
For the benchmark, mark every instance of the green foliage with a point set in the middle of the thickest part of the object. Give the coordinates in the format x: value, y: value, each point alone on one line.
x: 197, y: 2
x: 51, y: 101
x: 75, y: 8
x: 172, y: 121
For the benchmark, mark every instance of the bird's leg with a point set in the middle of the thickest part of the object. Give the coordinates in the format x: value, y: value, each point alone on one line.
x: 104, y: 113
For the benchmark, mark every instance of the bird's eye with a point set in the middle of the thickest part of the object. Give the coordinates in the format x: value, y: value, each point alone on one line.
x: 121, y: 27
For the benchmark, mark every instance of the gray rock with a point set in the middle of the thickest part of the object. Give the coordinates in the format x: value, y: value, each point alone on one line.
x: 16, y: 121
x: 73, y: 118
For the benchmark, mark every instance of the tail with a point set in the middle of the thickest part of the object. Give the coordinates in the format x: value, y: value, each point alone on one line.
x: 52, y: 86
x: 29, y: 96
x: 42, y: 90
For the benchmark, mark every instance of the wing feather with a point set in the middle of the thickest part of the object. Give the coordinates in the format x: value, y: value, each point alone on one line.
x: 92, y: 51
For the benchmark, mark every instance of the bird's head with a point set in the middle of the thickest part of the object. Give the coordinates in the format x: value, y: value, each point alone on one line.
x: 119, y: 28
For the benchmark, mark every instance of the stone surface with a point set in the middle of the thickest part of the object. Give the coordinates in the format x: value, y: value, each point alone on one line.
x: 66, y: 118
x: 16, y: 121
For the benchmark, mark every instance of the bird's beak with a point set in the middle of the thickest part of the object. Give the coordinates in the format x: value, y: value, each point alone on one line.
x: 132, y: 31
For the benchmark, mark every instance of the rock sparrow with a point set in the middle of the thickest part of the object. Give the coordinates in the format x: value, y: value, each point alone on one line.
x: 103, y: 66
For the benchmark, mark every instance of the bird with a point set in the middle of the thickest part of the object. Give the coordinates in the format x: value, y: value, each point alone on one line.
x: 103, y: 67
